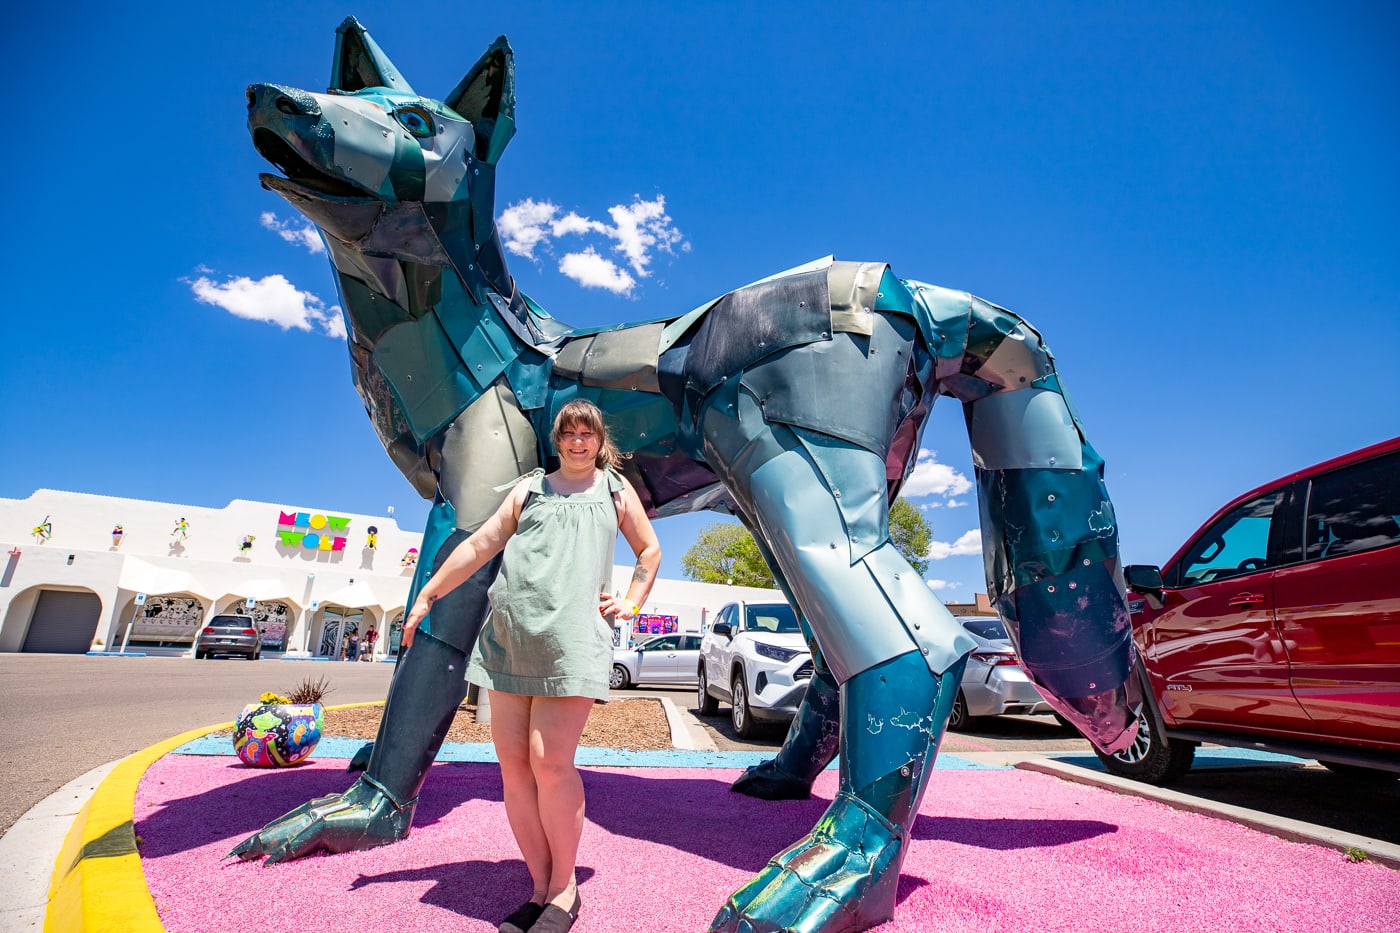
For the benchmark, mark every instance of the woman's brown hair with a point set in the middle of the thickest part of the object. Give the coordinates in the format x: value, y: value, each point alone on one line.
x: 583, y: 412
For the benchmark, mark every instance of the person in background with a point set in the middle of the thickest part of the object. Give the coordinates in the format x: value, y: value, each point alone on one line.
x: 545, y: 650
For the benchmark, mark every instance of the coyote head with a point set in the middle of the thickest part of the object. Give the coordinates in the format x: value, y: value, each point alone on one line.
x: 371, y: 159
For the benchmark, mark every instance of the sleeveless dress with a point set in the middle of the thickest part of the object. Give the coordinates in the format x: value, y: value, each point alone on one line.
x: 545, y: 636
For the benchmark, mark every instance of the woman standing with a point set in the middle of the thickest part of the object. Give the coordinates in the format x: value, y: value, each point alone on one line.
x: 545, y: 651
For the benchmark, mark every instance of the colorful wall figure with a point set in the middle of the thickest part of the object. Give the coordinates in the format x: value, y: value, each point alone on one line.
x: 181, y: 530
x: 372, y: 537
x: 117, y: 535
x: 42, y: 531
x: 795, y: 403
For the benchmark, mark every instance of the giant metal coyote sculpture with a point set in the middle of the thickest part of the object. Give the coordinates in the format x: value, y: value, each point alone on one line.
x: 795, y: 403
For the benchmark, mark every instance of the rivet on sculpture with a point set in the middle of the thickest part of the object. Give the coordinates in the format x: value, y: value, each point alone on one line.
x: 794, y: 403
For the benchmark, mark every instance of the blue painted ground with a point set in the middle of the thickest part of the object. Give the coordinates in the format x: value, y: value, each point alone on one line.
x: 339, y: 747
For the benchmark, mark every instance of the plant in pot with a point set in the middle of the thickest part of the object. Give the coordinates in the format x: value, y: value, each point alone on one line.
x: 279, y: 731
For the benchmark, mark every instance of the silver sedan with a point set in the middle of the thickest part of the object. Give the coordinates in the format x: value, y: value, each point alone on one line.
x: 993, y: 683
x: 661, y: 659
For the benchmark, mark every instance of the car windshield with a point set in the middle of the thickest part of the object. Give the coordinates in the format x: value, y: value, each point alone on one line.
x: 778, y: 617
x: 986, y: 628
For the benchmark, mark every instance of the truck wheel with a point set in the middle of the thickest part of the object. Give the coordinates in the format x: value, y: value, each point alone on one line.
x: 959, y: 719
x: 705, y: 704
x: 740, y: 713
x: 1152, y: 758
x: 618, y: 679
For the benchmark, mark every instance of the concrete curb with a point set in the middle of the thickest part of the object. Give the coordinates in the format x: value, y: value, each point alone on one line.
x: 686, y: 733
x: 1383, y: 853
x: 29, y: 849
x: 98, y: 883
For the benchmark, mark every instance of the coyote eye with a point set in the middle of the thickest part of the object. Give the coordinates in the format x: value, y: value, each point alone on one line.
x: 416, y: 120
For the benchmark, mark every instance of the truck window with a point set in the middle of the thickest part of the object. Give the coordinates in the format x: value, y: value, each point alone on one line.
x: 1235, y: 545
x: 1355, y: 509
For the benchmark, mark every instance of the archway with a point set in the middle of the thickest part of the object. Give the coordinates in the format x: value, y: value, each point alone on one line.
x: 166, y: 621
x: 64, y: 622
x: 271, y: 617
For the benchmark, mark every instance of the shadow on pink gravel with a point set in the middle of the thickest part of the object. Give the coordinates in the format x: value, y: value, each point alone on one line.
x: 663, y: 848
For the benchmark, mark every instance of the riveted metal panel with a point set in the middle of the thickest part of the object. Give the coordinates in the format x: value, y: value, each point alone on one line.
x: 1018, y: 361
x: 855, y: 291
x: 370, y: 314
x: 489, y: 444
x: 1024, y: 428
x: 403, y: 231
x: 856, y: 478
x: 832, y: 387
x: 755, y: 322
x: 568, y: 362
x: 943, y: 316
x: 941, y: 638
x: 624, y: 359
x: 426, y: 375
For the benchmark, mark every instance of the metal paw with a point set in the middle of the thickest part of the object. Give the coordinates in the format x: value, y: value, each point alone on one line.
x: 840, y: 878
x: 767, y: 781
x: 363, y: 817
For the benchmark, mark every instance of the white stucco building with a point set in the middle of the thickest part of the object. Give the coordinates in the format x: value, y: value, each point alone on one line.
x: 306, y: 574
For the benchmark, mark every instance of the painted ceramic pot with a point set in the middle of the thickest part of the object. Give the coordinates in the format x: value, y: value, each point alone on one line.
x: 276, y: 735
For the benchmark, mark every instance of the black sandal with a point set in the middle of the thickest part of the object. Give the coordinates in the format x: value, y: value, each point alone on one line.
x: 522, y: 918
x: 557, y: 919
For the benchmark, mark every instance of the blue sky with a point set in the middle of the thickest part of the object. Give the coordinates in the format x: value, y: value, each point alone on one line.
x: 1195, y: 203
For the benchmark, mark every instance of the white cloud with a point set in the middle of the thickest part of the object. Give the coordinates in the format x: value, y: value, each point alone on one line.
x: 955, y: 503
x: 593, y: 271
x: 931, y: 478
x: 271, y: 299
x: 937, y: 585
x: 637, y: 231
x: 304, y: 235
x: 968, y: 543
x: 524, y: 226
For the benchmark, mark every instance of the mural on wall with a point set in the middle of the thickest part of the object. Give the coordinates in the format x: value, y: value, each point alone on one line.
x: 42, y: 531
x: 646, y: 623
x: 168, y: 619
x: 271, y: 618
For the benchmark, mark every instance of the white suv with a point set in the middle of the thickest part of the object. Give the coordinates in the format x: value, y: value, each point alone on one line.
x: 754, y: 657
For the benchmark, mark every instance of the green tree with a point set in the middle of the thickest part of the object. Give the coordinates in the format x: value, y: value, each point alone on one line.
x: 910, y: 534
x: 726, y: 553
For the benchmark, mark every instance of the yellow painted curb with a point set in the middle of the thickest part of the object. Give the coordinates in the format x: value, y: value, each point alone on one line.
x: 98, y: 884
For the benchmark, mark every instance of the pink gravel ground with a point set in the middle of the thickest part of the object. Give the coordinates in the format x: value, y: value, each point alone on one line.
x: 662, y: 848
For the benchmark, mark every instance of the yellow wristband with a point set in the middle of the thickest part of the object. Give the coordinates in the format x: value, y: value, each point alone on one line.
x: 633, y: 608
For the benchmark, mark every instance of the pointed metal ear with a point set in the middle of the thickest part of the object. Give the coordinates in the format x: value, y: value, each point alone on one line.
x: 486, y: 97
x: 360, y: 62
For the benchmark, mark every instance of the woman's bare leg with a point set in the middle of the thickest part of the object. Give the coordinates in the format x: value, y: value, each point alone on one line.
x: 511, y: 734
x: 556, y: 723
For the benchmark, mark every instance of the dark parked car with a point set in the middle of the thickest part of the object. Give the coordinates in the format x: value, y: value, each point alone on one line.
x: 1277, y: 626
x: 228, y: 635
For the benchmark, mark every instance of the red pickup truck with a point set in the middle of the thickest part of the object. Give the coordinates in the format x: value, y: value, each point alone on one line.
x: 1277, y: 626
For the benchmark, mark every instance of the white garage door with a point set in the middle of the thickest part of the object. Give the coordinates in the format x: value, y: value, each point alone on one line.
x: 63, y: 622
